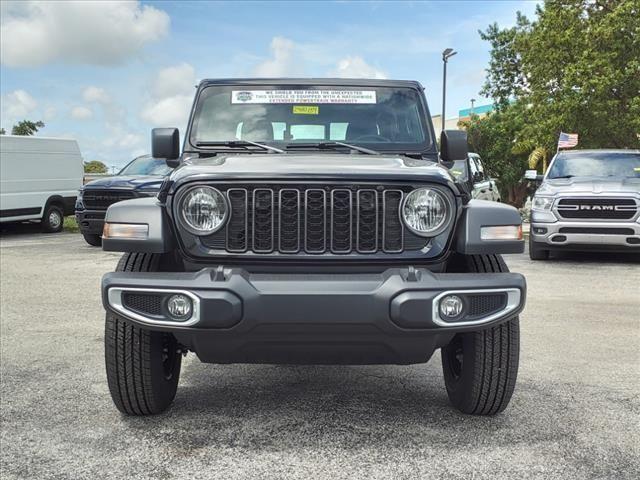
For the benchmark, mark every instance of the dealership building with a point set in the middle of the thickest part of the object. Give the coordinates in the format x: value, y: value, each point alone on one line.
x: 464, y: 114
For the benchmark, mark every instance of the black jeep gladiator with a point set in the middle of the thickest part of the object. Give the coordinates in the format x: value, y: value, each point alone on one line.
x: 311, y: 222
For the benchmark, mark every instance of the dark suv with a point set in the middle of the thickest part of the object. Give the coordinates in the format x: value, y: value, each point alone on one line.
x: 141, y: 177
x: 311, y: 221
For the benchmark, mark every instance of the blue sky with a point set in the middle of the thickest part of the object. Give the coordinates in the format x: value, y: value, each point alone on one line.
x: 105, y: 73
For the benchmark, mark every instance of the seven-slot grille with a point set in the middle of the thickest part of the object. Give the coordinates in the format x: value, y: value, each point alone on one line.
x: 597, y: 208
x: 314, y: 220
x: 102, y: 199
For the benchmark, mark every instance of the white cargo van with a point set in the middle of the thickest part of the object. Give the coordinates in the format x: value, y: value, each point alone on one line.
x: 39, y: 179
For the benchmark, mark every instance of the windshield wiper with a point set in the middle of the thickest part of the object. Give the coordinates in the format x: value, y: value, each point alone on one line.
x: 333, y: 145
x: 239, y: 144
x: 561, y: 176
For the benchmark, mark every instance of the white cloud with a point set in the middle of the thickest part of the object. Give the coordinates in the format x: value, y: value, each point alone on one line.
x: 81, y: 113
x: 291, y: 59
x: 356, y: 67
x: 121, y: 139
x: 99, y: 33
x: 95, y: 95
x: 176, y: 80
x: 130, y: 140
x: 17, y: 104
x: 168, y: 112
x: 172, y: 95
x: 49, y: 113
x: 284, y: 60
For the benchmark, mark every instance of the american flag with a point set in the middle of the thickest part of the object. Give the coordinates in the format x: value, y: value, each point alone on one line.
x: 567, y: 140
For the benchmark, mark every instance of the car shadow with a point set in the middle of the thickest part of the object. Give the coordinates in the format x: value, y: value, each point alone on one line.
x: 595, y: 257
x: 17, y: 229
x: 262, y: 406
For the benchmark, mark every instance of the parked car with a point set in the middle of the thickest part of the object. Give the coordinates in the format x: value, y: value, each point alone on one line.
x: 588, y: 200
x: 39, y: 179
x: 472, y: 172
x: 311, y: 221
x: 141, y: 177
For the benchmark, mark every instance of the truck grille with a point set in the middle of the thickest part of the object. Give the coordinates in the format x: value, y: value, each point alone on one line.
x: 102, y: 199
x: 314, y: 220
x: 597, y: 208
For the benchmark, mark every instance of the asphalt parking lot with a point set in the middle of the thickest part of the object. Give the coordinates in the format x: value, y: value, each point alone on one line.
x: 575, y: 412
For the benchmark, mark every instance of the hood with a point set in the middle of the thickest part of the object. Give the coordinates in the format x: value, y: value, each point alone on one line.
x: 590, y: 186
x: 150, y: 182
x: 330, y: 166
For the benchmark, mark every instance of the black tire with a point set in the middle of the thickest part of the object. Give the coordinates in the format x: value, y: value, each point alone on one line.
x: 53, y: 219
x: 93, y: 239
x: 535, y: 252
x: 480, y: 368
x: 143, y: 366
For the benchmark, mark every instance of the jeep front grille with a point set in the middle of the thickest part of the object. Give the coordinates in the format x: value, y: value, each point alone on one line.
x: 102, y: 199
x: 597, y: 208
x: 314, y: 220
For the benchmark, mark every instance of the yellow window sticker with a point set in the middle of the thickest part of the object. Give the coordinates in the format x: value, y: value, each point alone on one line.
x: 306, y: 109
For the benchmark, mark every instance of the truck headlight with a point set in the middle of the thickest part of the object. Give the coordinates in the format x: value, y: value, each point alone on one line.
x: 426, y: 212
x: 203, y: 210
x: 542, y: 203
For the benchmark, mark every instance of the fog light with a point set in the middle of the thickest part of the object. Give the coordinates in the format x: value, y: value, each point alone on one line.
x: 451, y: 307
x: 179, y: 306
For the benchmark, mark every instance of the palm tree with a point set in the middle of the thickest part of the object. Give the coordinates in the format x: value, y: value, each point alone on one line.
x: 538, y: 156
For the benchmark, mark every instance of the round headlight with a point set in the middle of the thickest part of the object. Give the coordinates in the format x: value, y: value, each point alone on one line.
x: 203, y: 210
x: 426, y: 211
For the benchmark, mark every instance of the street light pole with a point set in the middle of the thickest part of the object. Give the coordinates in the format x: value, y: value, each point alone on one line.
x: 446, y: 54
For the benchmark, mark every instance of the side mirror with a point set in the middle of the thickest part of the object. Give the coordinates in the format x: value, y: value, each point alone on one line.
x: 533, y: 176
x: 453, y: 145
x: 165, y: 143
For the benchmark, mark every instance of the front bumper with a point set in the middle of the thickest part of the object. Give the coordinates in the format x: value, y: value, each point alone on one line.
x: 90, y: 222
x: 242, y: 317
x: 568, y: 234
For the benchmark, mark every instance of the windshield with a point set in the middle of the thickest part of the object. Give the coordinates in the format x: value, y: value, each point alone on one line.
x: 146, y: 166
x: 385, y: 118
x: 596, y: 164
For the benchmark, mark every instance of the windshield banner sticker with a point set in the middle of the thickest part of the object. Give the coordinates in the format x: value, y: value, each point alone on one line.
x: 304, y: 96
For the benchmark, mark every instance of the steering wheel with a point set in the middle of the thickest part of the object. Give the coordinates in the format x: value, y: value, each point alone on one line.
x: 369, y: 137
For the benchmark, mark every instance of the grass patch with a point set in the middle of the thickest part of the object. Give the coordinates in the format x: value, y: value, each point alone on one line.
x: 70, y: 224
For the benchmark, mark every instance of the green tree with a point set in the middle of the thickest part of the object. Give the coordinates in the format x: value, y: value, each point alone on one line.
x: 2, y: 131
x: 493, y: 138
x: 575, y: 68
x: 582, y: 63
x: 95, y: 166
x: 26, y: 127
x: 505, y: 78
